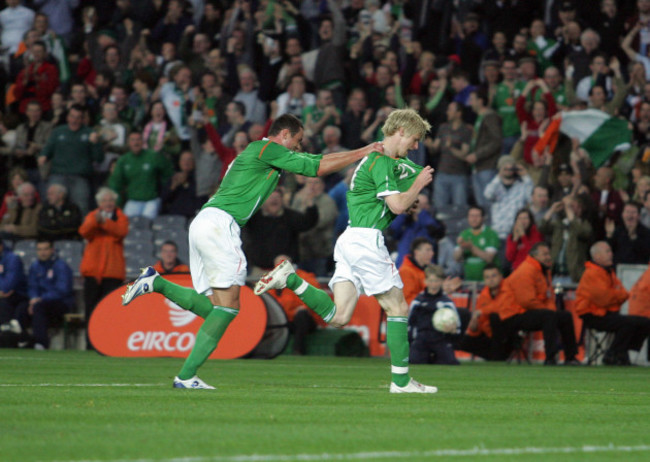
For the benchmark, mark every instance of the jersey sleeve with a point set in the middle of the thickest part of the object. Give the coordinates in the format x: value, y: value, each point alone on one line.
x: 383, y: 176
x: 296, y: 162
x: 493, y: 241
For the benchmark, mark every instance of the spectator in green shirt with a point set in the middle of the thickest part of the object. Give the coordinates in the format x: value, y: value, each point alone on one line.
x: 504, y: 103
x: 138, y: 177
x: 477, y: 245
x: 71, y: 150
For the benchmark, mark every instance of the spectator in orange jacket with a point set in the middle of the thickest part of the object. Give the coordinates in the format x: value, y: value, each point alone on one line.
x: 103, y: 266
x: 531, y: 285
x: 640, y: 296
x: 494, y: 300
x: 301, y: 321
x: 599, y: 298
x: 169, y: 262
x: 412, y: 269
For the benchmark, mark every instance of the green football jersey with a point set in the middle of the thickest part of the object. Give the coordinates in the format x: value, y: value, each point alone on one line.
x: 504, y: 103
x: 254, y: 174
x: 486, y: 239
x: 376, y: 177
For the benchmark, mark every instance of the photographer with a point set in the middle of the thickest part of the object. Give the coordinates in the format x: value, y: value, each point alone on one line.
x: 507, y: 193
x: 566, y: 221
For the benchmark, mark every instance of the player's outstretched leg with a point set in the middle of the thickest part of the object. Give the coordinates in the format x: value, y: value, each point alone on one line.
x: 185, y: 297
x: 207, y: 339
x: 283, y: 275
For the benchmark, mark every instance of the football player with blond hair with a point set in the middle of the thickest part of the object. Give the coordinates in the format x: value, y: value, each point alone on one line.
x: 383, y: 186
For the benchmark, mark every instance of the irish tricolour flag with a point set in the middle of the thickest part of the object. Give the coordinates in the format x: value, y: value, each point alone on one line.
x: 599, y: 133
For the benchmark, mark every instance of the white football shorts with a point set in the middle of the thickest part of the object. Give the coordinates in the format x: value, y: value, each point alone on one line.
x: 362, y: 258
x: 216, y: 256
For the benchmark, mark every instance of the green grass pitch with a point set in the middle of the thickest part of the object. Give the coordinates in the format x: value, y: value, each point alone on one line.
x: 79, y: 406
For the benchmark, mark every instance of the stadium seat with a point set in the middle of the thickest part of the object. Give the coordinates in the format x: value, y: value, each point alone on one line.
x: 139, y: 235
x: 164, y: 222
x: 28, y: 257
x: 74, y: 262
x: 452, y: 212
x: 179, y: 236
x: 25, y: 245
x: 135, y: 262
x: 69, y: 247
x: 26, y: 250
x: 139, y: 223
x: 139, y: 247
x: 521, y: 347
x: 596, y: 344
x: 455, y: 226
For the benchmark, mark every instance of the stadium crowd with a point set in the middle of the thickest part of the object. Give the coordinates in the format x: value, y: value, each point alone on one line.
x: 540, y: 114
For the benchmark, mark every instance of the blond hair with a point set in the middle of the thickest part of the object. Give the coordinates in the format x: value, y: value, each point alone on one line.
x: 409, y: 120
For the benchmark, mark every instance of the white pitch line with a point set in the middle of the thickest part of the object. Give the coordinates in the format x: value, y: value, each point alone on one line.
x: 80, y: 384
x: 475, y: 451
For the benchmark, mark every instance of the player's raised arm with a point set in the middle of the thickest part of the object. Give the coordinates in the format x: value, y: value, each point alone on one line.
x: 336, y: 161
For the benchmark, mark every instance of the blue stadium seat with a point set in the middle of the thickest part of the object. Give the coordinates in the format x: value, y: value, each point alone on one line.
x: 139, y: 223
x: 69, y: 247
x: 179, y: 236
x: 25, y: 245
x: 164, y: 222
x: 452, y: 212
x: 139, y: 247
x: 74, y: 262
x: 139, y: 235
x: 136, y: 261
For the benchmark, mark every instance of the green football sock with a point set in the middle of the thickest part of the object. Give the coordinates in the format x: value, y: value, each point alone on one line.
x: 207, y: 339
x: 398, y: 345
x: 186, y: 298
x: 314, y: 298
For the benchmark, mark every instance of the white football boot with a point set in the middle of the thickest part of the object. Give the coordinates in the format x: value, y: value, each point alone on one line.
x: 142, y: 285
x: 413, y: 387
x: 195, y: 383
x: 274, y: 279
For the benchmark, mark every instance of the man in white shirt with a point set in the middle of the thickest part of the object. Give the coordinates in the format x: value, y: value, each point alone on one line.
x: 15, y: 20
x: 295, y: 99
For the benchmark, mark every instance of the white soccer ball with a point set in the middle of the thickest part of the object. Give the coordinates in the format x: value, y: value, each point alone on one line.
x: 445, y: 320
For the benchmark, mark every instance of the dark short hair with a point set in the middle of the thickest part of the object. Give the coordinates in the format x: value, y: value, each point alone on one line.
x: 491, y: 266
x: 460, y: 74
x: 113, y: 47
x: 476, y: 207
x: 634, y: 204
x: 597, y: 55
x: 288, y: 122
x: 146, y: 78
x: 77, y: 107
x: 418, y: 242
x: 535, y: 248
x: 241, y: 107
x: 481, y: 94
x: 108, y: 76
x: 42, y: 240
x: 591, y: 90
x: 169, y: 242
